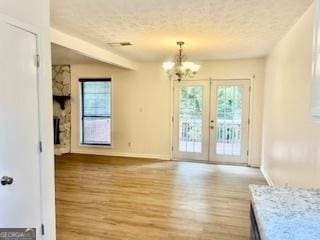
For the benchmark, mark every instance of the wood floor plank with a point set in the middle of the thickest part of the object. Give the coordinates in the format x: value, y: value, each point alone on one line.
x: 116, y: 198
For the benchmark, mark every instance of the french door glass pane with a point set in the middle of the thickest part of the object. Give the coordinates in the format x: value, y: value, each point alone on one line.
x: 97, y: 130
x: 229, y: 120
x: 190, y: 119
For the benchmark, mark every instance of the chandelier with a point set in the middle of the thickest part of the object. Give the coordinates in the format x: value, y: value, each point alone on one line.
x: 180, y: 67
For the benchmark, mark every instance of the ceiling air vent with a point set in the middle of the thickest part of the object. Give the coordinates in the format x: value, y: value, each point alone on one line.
x: 120, y: 44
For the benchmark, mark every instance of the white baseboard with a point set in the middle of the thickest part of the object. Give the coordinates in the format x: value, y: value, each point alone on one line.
x: 254, y: 165
x: 123, y: 154
x: 60, y: 151
x: 266, y: 176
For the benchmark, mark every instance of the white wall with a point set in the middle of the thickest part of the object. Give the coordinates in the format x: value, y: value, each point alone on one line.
x: 291, y: 138
x: 36, y: 13
x: 141, y: 101
x: 142, y: 105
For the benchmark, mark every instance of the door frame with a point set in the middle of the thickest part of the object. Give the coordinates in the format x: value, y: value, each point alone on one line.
x: 251, y: 101
x: 46, y: 160
x: 203, y: 155
x: 245, y: 116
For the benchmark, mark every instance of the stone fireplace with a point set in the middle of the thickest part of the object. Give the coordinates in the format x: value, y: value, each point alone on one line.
x: 61, y: 88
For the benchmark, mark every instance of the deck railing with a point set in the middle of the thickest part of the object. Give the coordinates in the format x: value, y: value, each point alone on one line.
x: 226, y: 130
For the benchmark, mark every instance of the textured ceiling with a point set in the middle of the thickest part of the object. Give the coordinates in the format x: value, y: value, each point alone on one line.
x: 212, y: 29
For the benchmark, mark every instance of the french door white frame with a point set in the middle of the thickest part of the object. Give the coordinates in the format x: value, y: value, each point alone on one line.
x: 203, y: 157
x: 232, y: 159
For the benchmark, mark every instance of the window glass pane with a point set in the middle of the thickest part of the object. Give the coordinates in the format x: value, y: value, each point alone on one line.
x: 190, y: 119
x: 229, y: 122
x: 97, y: 130
x: 97, y: 96
x: 96, y: 112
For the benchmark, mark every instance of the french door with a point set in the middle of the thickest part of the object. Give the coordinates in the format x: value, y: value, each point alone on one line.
x: 211, y: 121
x: 191, y: 116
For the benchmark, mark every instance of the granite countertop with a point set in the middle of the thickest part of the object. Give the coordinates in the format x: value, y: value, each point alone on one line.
x: 286, y: 213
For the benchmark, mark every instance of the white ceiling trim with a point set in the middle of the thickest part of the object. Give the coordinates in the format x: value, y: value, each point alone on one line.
x: 90, y: 50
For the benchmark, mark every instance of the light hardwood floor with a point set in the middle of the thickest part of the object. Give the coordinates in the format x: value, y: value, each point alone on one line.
x: 115, y: 198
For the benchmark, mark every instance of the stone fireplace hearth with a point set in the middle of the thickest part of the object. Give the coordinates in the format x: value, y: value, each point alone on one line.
x: 61, y: 88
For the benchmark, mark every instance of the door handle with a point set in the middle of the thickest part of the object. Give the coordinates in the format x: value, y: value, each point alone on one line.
x: 5, y: 180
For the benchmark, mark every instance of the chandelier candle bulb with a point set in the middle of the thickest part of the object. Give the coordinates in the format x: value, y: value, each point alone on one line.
x: 187, y: 65
x: 195, y: 68
x: 168, y: 66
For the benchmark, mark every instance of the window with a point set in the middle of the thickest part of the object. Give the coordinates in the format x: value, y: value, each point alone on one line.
x: 96, y: 111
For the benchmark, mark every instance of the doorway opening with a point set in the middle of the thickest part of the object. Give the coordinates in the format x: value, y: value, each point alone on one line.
x: 211, y: 121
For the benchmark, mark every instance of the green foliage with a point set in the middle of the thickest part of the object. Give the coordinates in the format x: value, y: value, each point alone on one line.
x: 229, y: 102
x: 191, y: 102
x: 229, y: 105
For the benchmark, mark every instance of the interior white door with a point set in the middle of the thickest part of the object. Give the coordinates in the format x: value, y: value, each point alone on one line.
x: 229, y: 121
x: 191, y: 116
x: 19, y: 130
